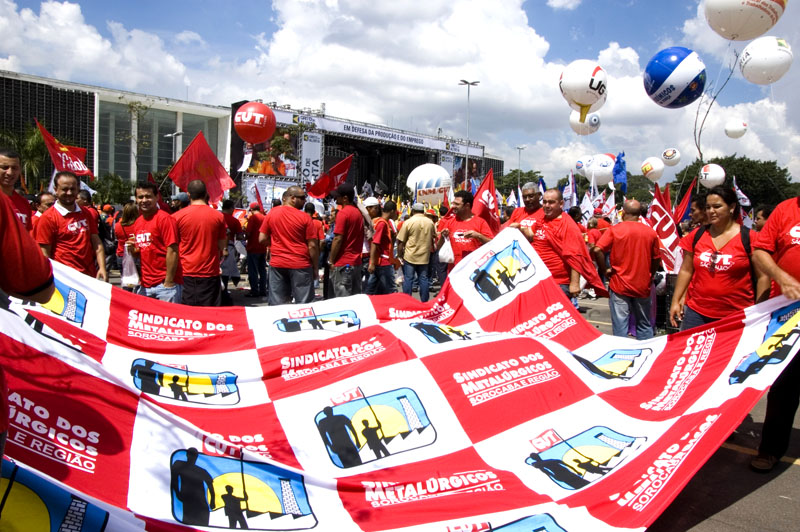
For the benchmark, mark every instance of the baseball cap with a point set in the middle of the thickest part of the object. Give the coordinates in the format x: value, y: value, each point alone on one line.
x: 254, y: 205
x: 371, y: 201
x: 344, y: 190
x: 432, y: 212
x: 181, y: 196
x: 108, y: 208
x: 419, y: 207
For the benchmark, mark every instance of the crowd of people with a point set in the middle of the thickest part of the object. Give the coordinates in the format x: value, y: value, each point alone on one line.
x: 368, y: 246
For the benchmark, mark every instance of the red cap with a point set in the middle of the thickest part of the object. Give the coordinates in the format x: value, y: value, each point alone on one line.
x: 254, y: 206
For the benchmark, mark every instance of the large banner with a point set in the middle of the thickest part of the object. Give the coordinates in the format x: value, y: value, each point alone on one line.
x: 269, y: 187
x: 493, y: 407
x: 310, y: 157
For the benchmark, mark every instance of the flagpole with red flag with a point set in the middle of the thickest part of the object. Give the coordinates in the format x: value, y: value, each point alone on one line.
x: 485, y: 203
x: 65, y: 158
x: 680, y: 210
x: 258, y: 198
x: 332, y: 179
x: 199, y: 162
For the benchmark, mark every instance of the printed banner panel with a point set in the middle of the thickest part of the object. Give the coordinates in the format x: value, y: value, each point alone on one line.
x: 493, y: 407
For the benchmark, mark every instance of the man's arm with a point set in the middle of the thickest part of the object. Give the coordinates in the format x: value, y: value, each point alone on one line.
x: 600, y: 258
x: 374, y: 257
x: 172, y: 265
x: 789, y: 285
x: 100, y: 253
x: 313, y: 252
x: 477, y: 235
x: 336, y: 246
x: 46, y: 250
x: 574, y: 282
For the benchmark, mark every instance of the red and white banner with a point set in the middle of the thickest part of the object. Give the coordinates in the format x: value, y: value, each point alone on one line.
x: 494, y: 406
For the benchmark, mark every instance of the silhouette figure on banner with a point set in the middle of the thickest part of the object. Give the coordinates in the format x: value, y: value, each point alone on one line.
x: 557, y: 470
x: 189, y: 483
x: 373, y: 440
x: 233, y: 508
x: 177, y: 389
x: 148, y: 377
x: 338, y: 434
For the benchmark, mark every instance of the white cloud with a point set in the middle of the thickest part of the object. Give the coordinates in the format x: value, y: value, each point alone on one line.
x: 564, y: 4
x: 189, y: 37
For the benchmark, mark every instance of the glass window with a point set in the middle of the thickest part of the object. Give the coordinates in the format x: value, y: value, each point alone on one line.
x: 193, y: 124
x: 155, y: 150
x: 114, y: 146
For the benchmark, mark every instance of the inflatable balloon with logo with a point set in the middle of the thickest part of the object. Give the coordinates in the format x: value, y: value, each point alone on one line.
x: 671, y: 156
x: 735, y: 128
x: 765, y: 60
x: 254, y: 122
x: 712, y: 175
x: 587, y: 127
x: 583, y: 84
x: 675, y: 77
x: 739, y: 20
x: 653, y: 168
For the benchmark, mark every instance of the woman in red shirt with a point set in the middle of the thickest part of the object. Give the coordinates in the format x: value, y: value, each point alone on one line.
x: 716, y: 267
x: 123, y: 230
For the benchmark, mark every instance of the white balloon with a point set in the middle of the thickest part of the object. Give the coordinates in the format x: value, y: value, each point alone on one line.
x: 583, y: 84
x: 587, y: 127
x: 765, y: 60
x: 653, y: 168
x: 735, y: 128
x: 743, y: 20
x: 427, y: 172
x: 671, y: 156
x: 583, y: 163
x: 602, y: 168
x: 712, y: 175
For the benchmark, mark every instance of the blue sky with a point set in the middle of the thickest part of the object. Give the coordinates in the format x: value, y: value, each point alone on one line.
x: 398, y: 63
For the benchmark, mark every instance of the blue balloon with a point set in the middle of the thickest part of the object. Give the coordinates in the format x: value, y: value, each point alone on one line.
x: 675, y: 77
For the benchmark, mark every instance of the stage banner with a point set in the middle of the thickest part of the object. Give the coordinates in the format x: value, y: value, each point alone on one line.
x: 310, y: 157
x: 269, y: 187
x: 495, y: 406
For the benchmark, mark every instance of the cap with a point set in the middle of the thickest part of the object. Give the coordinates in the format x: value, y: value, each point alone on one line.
x: 598, y: 210
x: 108, y: 208
x: 254, y: 205
x: 181, y: 196
x: 432, y: 212
x: 371, y: 201
x: 418, y: 207
x: 344, y: 190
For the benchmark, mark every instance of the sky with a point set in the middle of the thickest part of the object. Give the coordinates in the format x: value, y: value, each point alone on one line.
x: 398, y: 63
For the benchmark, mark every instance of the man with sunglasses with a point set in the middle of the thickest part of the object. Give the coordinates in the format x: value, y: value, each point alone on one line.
x: 292, y: 249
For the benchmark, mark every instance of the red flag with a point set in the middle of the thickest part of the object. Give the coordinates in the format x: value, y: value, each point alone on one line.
x: 575, y: 253
x: 485, y: 204
x: 258, y: 199
x: 161, y: 203
x: 662, y: 223
x: 65, y: 158
x: 199, y: 162
x: 680, y: 211
x: 332, y: 179
x: 667, y: 198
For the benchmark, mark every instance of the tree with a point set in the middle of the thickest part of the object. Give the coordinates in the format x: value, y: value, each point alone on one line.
x: 764, y: 182
x: 31, y: 148
x: 508, y: 182
x: 111, y: 188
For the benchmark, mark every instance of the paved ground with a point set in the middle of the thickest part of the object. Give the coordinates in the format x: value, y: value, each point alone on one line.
x: 724, y: 496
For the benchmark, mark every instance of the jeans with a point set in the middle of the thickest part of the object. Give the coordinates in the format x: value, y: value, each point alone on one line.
x: 285, y: 283
x: 345, y: 280
x: 257, y: 273
x: 160, y: 292
x: 692, y: 318
x: 621, y: 308
x: 381, y: 281
x: 408, y: 279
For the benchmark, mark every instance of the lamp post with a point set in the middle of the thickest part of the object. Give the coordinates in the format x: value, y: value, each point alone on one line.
x: 519, y: 165
x: 468, y: 84
x: 173, y: 136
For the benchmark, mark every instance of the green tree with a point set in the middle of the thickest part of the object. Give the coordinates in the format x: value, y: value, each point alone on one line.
x: 30, y: 146
x: 764, y: 182
x: 111, y: 188
x: 508, y: 182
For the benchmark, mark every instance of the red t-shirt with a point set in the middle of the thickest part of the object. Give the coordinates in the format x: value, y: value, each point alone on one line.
x: 319, y: 228
x: 233, y: 225
x: 288, y: 231
x: 593, y: 235
x: 20, y: 254
x: 350, y: 224
x: 780, y: 237
x: 383, y: 239
x: 153, y: 237
x: 633, y: 248
x: 22, y: 208
x: 200, y: 228
x: 252, y: 230
x: 545, y: 245
x: 69, y: 235
x: 602, y: 225
x: 463, y: 246
x: 523, y: 217
x: 122, y: 232
x: 728, y: 287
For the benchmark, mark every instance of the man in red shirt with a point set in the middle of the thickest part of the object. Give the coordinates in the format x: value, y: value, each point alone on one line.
x: 522, y: 218
x: 348, y: 239
x: 46, y: 200
x: 776, y: 250
x: 293, y: 246
x: 256, y: 253
x: 466, y: 231
x: 155, y: 239
x: 67, y: 232
x: 20, y: 254
x: 381, y: 252
x: 203, y: 239
x: 634, y: 257
x: 10, y: 171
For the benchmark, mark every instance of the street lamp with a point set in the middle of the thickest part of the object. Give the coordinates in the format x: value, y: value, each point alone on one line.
x: 519, y: 166
x: 468, y: 84
x: 173, y: 136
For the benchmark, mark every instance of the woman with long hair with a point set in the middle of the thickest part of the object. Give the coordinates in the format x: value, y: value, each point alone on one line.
x: 123, y: 229
x: 716, y: 277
